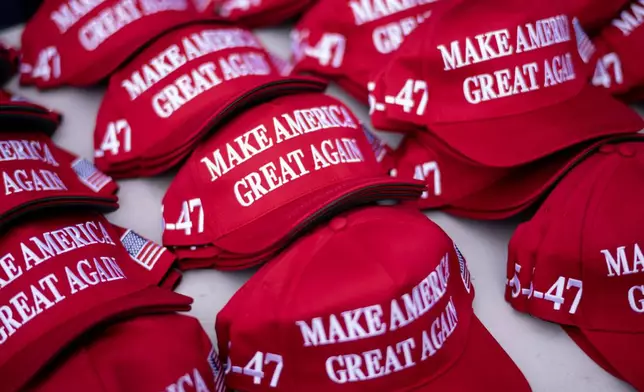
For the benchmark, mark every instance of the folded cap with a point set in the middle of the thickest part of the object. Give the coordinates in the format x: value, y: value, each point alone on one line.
x: 180, y: 87
x: 168, y: 352
x: 502, y: 82
x: 579, y: 261
x: 271, y: 171
x: 35, y: 173
x: 9, y: 58
x: 18, y: 113
x: 72, y: 43
x: 62, y: 275
x: 596, y: 14
x: 399, y: 316
x: 618, y: 67
x: 260, y: 13
x: 351, y: 40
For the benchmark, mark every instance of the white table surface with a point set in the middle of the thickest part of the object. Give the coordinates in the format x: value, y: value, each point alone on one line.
x: 546, y: 355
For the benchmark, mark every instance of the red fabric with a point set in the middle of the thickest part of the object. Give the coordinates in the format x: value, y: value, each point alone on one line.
x: 143, y: 354
x: 154, y: 260
x: 595, y: 14
x: 618, y: 67
x: 62, y: 275
x: 18, y: 113
x: 82, y: 45
x: 577, y: 239
x: 260, y: 13
x: 349, y: 41
x: 8, y: 62
x: 271, y: 313
x: 508, y: 126
x: 153, y: 116
x: 37, y: 174
x: 308, y: 156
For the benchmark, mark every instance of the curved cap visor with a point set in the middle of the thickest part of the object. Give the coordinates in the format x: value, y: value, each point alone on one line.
x: 516, y: 140
x: 483, y: 366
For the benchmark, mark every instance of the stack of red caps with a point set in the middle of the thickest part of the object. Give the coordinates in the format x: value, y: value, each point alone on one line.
x: 17, y: 113
x: 579, y: 261
x: 81, y: 43
x: 147, y: 354
x: 8, y: 62
x: 36, y: 174
x: 347, y: 42
x: 502, y: 116
x: 188, y: 81
x: 399, y: 316
x: 267, y: 175
x: 260, y: 13
x: 619, y: 66
x: 62, y: 275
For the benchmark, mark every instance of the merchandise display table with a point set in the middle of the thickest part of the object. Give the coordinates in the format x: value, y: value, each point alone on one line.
x: 546, y: 355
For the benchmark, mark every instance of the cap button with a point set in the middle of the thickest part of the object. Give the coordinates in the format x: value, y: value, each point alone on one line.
x: 607, y: 148
x: 338, y: 223
x: 626, y: 151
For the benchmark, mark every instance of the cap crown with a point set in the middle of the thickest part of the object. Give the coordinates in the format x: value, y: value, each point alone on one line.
x: 579, y: 261
x: 399, y: 313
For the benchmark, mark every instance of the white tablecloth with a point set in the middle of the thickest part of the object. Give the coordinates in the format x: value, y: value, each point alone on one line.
x: 546, y: 355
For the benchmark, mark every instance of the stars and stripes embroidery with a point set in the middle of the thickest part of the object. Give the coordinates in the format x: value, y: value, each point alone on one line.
x: 90, y: 175
x: 144, y: 252
x: 377, y: 145
x: 218, y: 371
x: 465, y: 272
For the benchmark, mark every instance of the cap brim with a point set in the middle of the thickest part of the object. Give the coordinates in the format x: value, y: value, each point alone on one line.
x: 617, y: 353
x: 520, y: 139
x: 483, y: 366
x: 281, y: 224
x: 39, y: 352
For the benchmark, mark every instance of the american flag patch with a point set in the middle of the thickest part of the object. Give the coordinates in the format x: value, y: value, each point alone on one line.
x: 218, y: 371
x: 377, y: 145
x: 90, y: 175
x: 584, y: 44
x: 144, y: 252
x: 465, y: 272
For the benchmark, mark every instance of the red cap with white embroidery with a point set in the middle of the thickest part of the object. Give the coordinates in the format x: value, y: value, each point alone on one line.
x: 61, y: 276
x: 347, y: 41
x: 399, y: 317
x: 182, y: 86
x: 506, y: 98
x: 81, y: 43
x: 579, y: 261
x: 270, y: 172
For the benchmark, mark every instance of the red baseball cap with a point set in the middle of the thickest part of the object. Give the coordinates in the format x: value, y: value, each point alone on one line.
x: 184, y: 84
x: 9, y: 58
x: 167, y: 352
x: 271, y: 172
x: 399, y: 316
x: 506, y: 98
x: 18, y: 113
x: 260, y: 13
x: 37, y: 174
x: 81, y: 44
x: 596, y: 14
x: 618, y: 67
x: 348, y: 41
x: 578, y: 261
x: 62, y: 275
